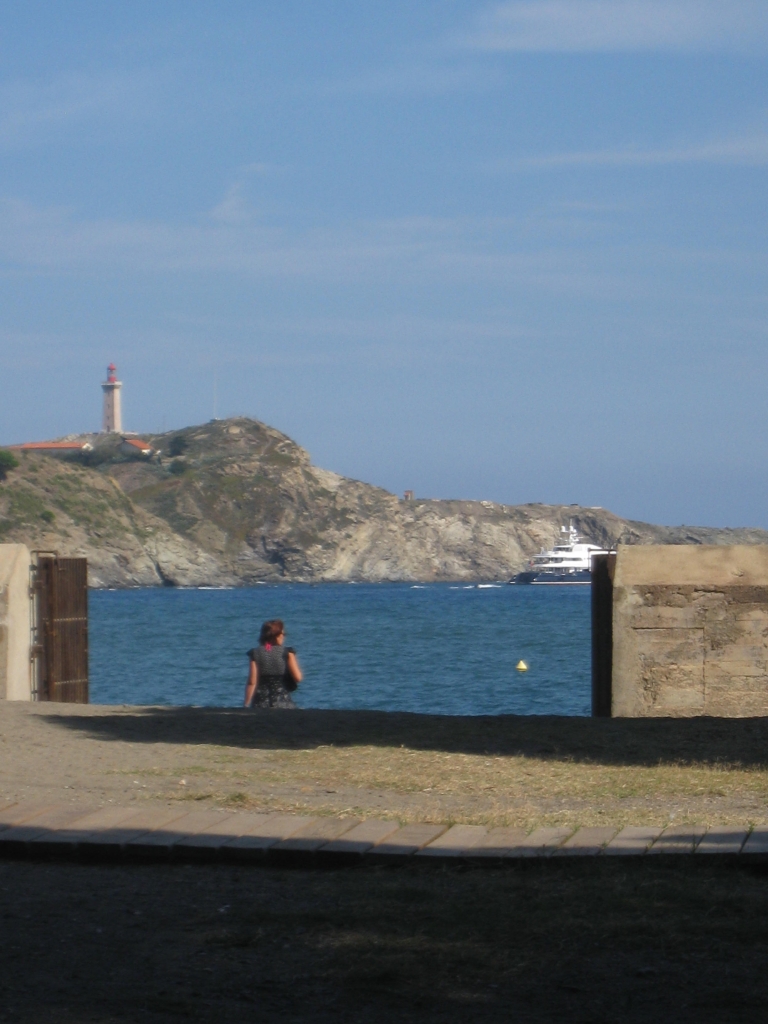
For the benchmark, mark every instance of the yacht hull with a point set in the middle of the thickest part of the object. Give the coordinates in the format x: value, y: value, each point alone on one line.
x: 579, y: 577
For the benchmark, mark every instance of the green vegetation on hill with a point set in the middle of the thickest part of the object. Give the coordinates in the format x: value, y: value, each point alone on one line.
x: 235, y: 501
x: 8, y: 461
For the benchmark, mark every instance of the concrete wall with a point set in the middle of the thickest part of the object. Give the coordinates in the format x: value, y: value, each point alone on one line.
x: 15, y: 611
x: 690, y: 631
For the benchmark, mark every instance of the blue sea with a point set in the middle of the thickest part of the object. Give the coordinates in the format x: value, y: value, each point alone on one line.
x: 438, y: 648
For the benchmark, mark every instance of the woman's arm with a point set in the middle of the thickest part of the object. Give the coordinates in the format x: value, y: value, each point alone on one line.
x: 253, y: 682
x: 293, y: 667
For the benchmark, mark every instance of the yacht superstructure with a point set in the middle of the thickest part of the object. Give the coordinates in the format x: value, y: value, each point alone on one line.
x: 567, y: 562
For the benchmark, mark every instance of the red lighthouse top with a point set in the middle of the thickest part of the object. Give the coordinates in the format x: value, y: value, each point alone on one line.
x: 111, y: 373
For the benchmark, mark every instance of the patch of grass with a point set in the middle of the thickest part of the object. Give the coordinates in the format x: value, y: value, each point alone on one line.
x: 64, y: 482
x: 24, y: 507
x: 493, y: 771
x: 280, y: 459
x: 162, y: 499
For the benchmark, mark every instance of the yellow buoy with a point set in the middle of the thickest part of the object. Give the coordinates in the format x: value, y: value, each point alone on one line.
x: 521, y: 666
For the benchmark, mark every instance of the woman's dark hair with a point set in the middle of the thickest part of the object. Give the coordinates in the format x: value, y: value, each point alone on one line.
x: 270, y: 631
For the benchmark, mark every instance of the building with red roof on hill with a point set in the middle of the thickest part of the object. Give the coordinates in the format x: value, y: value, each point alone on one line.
x: 136, y: 447
x: 52, y: 447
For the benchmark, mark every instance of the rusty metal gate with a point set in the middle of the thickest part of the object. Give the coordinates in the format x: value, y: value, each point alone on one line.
x: 60, y: 628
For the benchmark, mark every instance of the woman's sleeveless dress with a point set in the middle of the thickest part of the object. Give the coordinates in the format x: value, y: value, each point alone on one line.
x: 271, y: 663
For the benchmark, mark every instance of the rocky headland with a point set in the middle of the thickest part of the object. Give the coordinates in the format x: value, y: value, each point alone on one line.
x: 234, y: 502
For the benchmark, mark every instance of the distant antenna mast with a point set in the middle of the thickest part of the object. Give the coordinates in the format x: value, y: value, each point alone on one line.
x: 215, y: 394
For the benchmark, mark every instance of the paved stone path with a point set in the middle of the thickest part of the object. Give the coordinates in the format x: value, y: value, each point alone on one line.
x: 55, y: 830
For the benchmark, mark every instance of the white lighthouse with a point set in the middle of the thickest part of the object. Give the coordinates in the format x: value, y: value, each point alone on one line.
x: 113, y: 419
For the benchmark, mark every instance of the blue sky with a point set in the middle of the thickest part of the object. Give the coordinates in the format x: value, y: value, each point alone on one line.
x: 513, y: 251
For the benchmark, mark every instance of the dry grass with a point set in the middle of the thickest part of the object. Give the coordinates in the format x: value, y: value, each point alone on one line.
x: 493, y: 771
x: 472, y: 789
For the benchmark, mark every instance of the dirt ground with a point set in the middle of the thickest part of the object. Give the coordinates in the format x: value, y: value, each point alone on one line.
x: 662, y: 939
x: 505, y: 770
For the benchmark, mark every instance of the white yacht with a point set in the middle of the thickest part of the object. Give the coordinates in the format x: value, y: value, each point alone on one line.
x: 567, y: 562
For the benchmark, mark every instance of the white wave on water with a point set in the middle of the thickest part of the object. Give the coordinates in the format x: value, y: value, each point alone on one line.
x: 488, y: 586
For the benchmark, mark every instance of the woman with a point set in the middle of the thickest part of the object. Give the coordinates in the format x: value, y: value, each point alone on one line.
x: 274, y: 670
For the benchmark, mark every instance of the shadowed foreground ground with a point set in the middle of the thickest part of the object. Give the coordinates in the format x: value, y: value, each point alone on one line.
x: 652, y: 940
x: 505, y: 770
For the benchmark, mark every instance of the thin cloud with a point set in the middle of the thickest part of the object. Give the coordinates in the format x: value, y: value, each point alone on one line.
x: 745, y: 151
x: 236, y: 208
x: 31, y: 112
x: 490, y: 251
x: 56, y: 241
x: 621, y: 25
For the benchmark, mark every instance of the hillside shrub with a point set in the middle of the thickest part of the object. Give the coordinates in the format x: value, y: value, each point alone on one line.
x: 178, y: 445
x: 100, y: 455
x: 177, y: 467
x: 8, y: 461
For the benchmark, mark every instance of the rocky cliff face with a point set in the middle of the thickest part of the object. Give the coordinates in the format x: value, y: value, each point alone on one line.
x: 234, y: 502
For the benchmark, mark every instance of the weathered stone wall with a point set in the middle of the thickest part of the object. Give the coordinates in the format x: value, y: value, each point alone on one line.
x: 15, y: 609
x: 690, y: 631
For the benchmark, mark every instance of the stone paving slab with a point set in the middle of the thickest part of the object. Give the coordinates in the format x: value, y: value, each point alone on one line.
x: 361, y: 838
x: 166, y: 838
x: 500, y: 842
x: 219, y: 834
x: 210, y: 838
x: 79, y: 830
x: 17, y: 814
x: 543, y: 842
x: 723, y: 839
x: 255, y: 842
x: 6, y: 805
x: 634, y: 840
x: 407, y: 840
x: 113, y: 841
x: 45, y: 822
x: 586, y: 842
x: 456, y: 842
x: 757, y: 843
x: 178, y: 833
x: 312, y: 837
x: 678, y: 839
